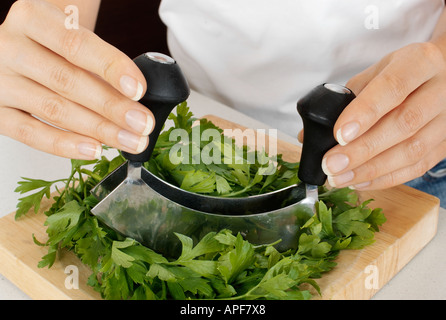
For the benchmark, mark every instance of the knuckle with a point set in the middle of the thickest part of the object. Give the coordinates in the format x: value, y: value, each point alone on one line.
x: 26, y: 134
x: 410, y: 120
x: 21, y: 10
x: 58, y: 146
x: 395, y: 84
x: 109, y: 107
x: 432, y: 53
x: 370, y: 108
x: 416, y: 149
x: 109, y: 65
x: 72, y: 43
x: 370, y: 172
x: 369, y: 146
x: 107, y: 68
x: 368, y: 149
x: 391, y: 180
x: 102, y: 130
x: 421, y: 168
x: 53, y: 109
x: 63, y: 78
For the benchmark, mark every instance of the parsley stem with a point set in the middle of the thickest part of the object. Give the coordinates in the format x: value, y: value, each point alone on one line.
x: 77, y: 197
x: 81, y: 182
x: 67, y: 184
x: 92, y: 174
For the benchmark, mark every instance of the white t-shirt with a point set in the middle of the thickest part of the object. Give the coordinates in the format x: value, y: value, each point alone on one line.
x: 260, y: 56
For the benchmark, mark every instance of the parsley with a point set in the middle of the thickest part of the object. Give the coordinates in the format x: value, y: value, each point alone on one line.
x: 221, y: 265
x: 224, y: 177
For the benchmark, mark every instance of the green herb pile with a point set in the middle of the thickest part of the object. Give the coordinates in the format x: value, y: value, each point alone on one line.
x: 236, y: 177
x: 221, y: 265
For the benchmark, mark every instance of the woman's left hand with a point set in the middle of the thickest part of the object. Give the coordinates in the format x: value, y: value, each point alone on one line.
x: 395, y: 129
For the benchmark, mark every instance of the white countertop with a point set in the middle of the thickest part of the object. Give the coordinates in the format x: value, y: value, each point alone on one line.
x: 424, y: 277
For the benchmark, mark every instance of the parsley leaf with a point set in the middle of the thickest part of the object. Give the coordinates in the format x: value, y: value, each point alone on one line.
x: 35, y: 199
x: 220, y: 265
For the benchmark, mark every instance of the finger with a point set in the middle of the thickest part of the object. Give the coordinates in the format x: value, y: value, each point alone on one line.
x: 79, y: 46
x: 65, y: 114
x: 408, y: 69
x: 405, y: 154
x: 82, y: 87
x: 300, y: 136
x: 357, y: 83
x: 407, y: 173
x: 22, y: 127
x: 362, y: 79
x: 400, y: 124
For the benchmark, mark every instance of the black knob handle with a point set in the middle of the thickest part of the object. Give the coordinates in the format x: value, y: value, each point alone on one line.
x: 319, y: 110
x: 166, y: 88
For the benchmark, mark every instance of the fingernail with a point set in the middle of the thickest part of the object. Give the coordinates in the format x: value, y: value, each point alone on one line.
x: 334, y: 163
x: 341, y: 179
x: 360, y: 185
x: 132, y: 141
x: 140, y: 121
x: 347, y: 133
x: 90, y: 150
x: 132, y: 88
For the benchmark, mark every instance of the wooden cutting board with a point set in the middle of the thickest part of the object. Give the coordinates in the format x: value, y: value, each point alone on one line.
x: 411, y: 223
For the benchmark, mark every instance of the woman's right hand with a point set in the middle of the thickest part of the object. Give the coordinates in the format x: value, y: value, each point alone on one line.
x: 71, y: 79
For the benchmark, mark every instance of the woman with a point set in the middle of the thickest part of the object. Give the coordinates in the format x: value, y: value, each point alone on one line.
x: 251, y: 55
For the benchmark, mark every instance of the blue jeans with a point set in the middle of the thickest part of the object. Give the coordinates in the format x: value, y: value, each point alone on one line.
x: 433, y: 182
